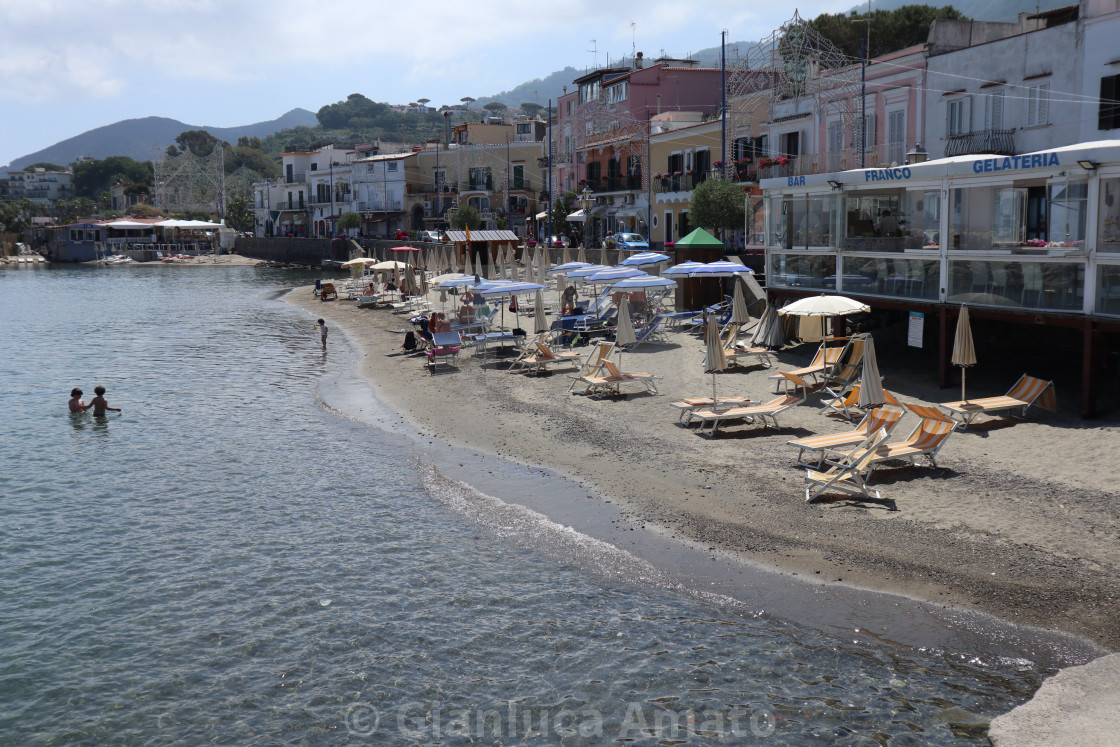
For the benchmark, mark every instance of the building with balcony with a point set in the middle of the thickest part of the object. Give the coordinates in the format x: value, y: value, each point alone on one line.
x: 378, y: 186
x: 39, y: 185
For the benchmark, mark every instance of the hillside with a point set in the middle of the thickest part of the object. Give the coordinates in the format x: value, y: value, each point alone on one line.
x: 980, y: 10
x: 136, y: 138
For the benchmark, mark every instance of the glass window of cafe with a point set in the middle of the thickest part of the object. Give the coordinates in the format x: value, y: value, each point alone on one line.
x: 1029, y: 213
x: 802, y: 221
x: 893, y: 220
x: 1108, y: 233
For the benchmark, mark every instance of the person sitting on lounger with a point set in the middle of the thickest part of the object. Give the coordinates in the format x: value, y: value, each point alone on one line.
x: 466, y: 313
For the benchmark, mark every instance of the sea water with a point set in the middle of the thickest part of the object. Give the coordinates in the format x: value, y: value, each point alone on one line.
x: 235, y: 558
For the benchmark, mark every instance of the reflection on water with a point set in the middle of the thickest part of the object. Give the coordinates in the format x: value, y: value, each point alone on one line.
x: 232, y: 561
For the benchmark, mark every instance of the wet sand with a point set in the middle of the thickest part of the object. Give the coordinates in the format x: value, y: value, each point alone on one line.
x: 1019, y: 519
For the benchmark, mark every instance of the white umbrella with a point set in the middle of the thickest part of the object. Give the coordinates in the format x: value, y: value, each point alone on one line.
x: 581, y: 255
x: 642, y: 259
x: 389, y: 264
x: 714, y: 358
x: 871, y: 392
x: 565, y: 256
x: 478, y: 266
x: 542, y: 268
x: 360, y: 261
x: 624, y: 331
x: 542, y: 319
x: 964, y: 350
x: 823, y: 305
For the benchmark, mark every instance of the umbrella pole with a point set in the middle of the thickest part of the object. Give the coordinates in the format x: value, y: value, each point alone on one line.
x: 964, y: 371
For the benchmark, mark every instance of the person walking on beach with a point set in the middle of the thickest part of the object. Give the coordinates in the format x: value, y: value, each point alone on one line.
x: 99, y: 404
x: 76, y: 403
x: 323, y: 332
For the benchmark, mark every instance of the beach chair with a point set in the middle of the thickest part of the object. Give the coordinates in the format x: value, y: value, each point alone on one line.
x: 846, y: 405
x: 927, y: 438
x: 518, y: 363
x: 649, y: 332
x: 611, y: 380
x: 823, y: 360
x: 848, y: 475
x: 689, y: 405
x: 769, y: 410
x: 445, y: 345
x: 1027, y: 391
x: 542, y: 356
x: 593, y: 364
x: 880, y: 418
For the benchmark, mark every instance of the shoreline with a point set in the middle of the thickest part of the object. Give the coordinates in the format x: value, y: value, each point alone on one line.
x: 968, y: 535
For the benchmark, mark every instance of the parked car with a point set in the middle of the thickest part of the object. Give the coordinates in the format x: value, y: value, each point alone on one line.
x: 429, y: 236
x: 631, y: 242
x: 559, y: 242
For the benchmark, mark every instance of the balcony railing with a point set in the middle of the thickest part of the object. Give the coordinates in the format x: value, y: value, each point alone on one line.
x: 673, y: 183
x: 380, y: 206
x: 998, y: 142
x: 289, y: 205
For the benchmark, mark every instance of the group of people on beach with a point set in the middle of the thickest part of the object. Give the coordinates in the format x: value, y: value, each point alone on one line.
x: 99, y: 404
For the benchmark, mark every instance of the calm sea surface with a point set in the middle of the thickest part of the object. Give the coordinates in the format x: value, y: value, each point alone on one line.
x: 232, y: 559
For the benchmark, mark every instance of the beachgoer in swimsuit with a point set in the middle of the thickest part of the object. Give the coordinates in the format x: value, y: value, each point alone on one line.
x: 99, y: 404
x: 76, y: 403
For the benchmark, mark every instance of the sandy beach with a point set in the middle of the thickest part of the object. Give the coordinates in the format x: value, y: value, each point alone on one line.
x: 1019, y: 519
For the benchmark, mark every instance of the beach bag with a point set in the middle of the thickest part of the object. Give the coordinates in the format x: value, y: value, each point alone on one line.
x: 410, y: 340
x: 513, y: 307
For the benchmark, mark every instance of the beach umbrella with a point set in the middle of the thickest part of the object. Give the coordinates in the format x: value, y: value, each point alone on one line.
x: 389, y: 265
x: 714, y: 358
x: 581, y: 255
x: 478, y: 264
x: 581, y: 273
x: 642, y: 282
x: 566, y: 256
x: 403, y: 249
x: 768, y: 333
x: 624, y: 331
x: 614, y: 273
x: 964, y: 351
x: 541, y: 318
x: 468, y: 268
x: 871, y: 392
x: 720, y: 269
x: 567, y: 267
x: 823, y: 305
x: 642, y: 259
x: 681, y: 270
x: 360, y: 261
x: 542, y: 268
x: 739, y: 315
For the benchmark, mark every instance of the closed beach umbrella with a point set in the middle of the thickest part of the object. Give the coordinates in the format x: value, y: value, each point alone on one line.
x: 714, y: 358
x: 624, y: 332
x: 468, y: 268
x: 871, y: 392
x: 964, y: 351
x: 542, y: 319
x: 581, y: 256
x: 768, y: 333
x: 566, y: 256
x: 739, y: 313
x: 542, y: 268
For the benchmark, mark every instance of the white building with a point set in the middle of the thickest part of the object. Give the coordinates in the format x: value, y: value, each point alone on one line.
x: 378, y: 185
x: 39, y: 185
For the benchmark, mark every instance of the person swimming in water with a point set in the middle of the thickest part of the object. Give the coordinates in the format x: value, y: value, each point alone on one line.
x: 76, y: 403
x: 99, y: 404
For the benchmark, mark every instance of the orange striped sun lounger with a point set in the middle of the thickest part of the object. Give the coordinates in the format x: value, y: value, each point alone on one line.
x: 880, y: 419
x: 611, y: 380
x: 847, y: 405
x: 848, y: 475
x: 770, y: 410
x: 544, y: 356
x: 926, y: 439
x: 1027, y: 391
x: 689, y: 405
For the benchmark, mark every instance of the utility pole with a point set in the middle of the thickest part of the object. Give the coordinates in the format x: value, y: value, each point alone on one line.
x: 548, y: 165
x: 723, y: 103
x: 863, y: 93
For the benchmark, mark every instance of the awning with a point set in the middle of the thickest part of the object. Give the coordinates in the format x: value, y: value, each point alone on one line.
x: 542, y: 215
x: 578, y: 216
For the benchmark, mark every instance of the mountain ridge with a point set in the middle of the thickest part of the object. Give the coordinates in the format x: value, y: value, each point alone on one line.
x: 136, y: 138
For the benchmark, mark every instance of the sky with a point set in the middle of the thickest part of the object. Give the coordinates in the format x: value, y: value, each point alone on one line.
x: 67, y: 66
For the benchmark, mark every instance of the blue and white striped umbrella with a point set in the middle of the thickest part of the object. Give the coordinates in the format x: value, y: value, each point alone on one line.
x: 567, y: 267
x: 614, y: 273
x: 681, y: 270
x: 642, y: 259
x: 643, y: 283
x: 583, y: 272
x: 721, y: 269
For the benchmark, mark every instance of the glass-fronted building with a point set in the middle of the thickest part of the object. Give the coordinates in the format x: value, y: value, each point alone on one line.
x: 1035, y: 234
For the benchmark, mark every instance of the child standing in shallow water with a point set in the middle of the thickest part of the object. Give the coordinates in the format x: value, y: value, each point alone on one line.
x: 76, y: 403
x: 323, y: 332
x: 99, y: 404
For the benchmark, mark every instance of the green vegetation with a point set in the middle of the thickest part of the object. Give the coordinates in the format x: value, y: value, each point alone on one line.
x: 562, y: 207
x: 465, y: 216
x: 891, y: 30
x: 717, y: 204
x: 349, y: 221
x: 91, y: 178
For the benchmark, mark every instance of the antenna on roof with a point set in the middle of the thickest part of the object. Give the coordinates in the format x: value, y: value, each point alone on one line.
x: 633, y: 39
x: 595, y: 51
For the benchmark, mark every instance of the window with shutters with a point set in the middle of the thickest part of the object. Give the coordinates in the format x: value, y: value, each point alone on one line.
x: 959, y: 120
x: 896, y: 137
x: 993, y: 111
x: 835, y: 145
x: 1038, y: 105
x: 1109, y: 115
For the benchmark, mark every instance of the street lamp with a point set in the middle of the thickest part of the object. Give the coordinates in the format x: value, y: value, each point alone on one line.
x: 586, y: 200
x: 917, y: 154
